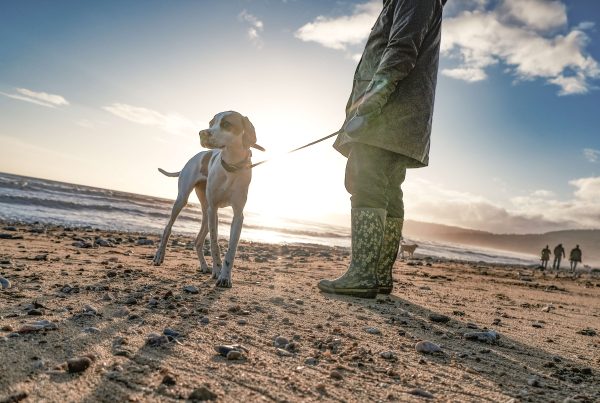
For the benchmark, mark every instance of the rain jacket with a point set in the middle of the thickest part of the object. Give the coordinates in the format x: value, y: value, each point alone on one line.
x: 396, y: 77
x: 575, y: 255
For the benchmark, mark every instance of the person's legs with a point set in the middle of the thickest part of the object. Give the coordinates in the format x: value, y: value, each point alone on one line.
x: 393, y: 226
x: 367, y: 179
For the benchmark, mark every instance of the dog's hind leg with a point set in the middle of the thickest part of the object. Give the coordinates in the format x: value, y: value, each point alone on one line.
x: 182, y: 197
x: 200, y: 192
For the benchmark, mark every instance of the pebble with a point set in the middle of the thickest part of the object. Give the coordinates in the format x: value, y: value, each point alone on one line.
x: 202, y: 394
x: 145, y: 241
x: 191, y: 289
x: 372, y: 330
x: 242, y: 322
x: 35, y: 312
x: 169, y: 380
x: 225, y: 349
x: 337, y: 375
x: 234, y: 355
x: 7, y: 328
x: 311, y: 361
x: 537, y: 325
x: 91, y: 330
x: 156, y: 340
x: 283, y: 353
x: 587, y: 332
x: 171, y: 333
x: 427, y: 347
x: 79, y: 364
x: 281, y: 341
x: 421, y: 393
x: 5, y: 283
x: 90, y: 310
x: 37, y: 326
x: 534, y: 381
x: 387, y: 355
x: 487, y: 337
x: 438, y: 318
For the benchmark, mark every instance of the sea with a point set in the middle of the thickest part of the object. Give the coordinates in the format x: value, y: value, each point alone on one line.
x: 33, y: 200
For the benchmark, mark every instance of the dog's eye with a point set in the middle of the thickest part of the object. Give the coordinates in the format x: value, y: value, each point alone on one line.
x: 225, y: 124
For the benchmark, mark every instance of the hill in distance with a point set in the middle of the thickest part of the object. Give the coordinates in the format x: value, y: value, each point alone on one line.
x: 531, y: 244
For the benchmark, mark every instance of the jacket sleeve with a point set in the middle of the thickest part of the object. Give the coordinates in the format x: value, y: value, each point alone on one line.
x: 411, y: 22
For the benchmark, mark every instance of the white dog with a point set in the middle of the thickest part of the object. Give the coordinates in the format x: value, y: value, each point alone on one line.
x: 221, y: 178
x: 409, y: 249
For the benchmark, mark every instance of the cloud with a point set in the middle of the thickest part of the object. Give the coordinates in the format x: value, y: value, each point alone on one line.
x: 539, y: 211
x: 38, y: 98
x: 255, y: 29
x: 171, y: 123
x: 342, y: 32
x: 531, y: 37
x: 522, y: 35
x: 591, y: 155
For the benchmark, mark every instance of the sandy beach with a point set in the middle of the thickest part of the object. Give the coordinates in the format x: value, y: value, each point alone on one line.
x: 87, y: 318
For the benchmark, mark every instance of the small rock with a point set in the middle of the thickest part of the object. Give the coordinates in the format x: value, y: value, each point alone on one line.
x: 438, y: 318
x: 7, y: 328
x: 281, y: 341
x: 90, y: 310
x: 156, y: 340
x: 35, y: 312
x: 496, y: 322
x: 587, y: 332
x: 283, y: 353
x: 91, y: 330
x: 427, y: 347
x: 171, y: 334
x: 79, y: 364
x: 372, y: 330
x: 548, y: 308
x: 421, y: 393
x: 337, y: 375
x: 4, y: 283
x: 37, y: 326
x: 145, y: 242
x: 534, y: 381
x: 202, y: 394
x: 169, y: 380
x: 387, y: 355
x: 224, y: 349
x: 485, y: 337
x: 234, y: 355
x: 191, y: 289
x: 311, y: 361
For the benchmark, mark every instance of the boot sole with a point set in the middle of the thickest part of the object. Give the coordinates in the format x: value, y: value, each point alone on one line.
x: 352, y: 292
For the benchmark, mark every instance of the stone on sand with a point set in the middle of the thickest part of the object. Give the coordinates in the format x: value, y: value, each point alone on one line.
x: 427, y: 347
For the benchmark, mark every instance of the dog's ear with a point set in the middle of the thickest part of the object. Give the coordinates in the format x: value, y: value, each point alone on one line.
x: 249, y: 138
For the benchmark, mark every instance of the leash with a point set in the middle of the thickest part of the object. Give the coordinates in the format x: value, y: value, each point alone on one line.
x: 300, y: 148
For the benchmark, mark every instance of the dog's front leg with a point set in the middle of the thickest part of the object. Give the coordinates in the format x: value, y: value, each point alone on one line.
x: 234, y: 238
x: 215, y: 252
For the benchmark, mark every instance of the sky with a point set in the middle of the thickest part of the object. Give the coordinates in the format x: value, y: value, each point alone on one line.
x: 104, y: 93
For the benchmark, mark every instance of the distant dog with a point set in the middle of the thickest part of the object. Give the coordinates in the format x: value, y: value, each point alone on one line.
x: 221, y: 178
x: 409, y: 249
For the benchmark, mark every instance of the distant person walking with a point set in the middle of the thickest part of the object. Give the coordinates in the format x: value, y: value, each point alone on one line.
x: 545, y: 257
x: 559, y: 253
x: 387, y: 130
x: 575, y: 257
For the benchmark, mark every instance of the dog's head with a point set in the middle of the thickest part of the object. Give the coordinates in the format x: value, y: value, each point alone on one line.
x: 229, y: 129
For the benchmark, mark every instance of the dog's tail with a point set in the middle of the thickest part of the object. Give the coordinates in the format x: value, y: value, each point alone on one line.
x: 170, y: 174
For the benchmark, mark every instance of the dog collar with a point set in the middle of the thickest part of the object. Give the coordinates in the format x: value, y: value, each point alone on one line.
x: 244, y: 164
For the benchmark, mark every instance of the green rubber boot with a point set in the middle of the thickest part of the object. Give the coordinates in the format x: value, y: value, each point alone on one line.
x: 392, y: 235
x: 360, y: 280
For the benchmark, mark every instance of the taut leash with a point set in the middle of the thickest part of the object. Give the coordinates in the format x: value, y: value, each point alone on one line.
x: 300, y: 148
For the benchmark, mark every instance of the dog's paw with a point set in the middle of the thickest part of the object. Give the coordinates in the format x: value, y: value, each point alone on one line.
x: 216, y: 271
x: 158, y: 259
x: 203, y: 268
x: 224, y: 283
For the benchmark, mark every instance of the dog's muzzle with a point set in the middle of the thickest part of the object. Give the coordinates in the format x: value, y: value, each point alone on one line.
x: 205, y: 139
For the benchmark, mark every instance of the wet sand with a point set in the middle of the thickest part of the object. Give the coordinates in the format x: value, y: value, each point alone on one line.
x: 108, y: 308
